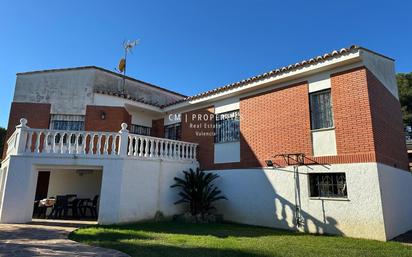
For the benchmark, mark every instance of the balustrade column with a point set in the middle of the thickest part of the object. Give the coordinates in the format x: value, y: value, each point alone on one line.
x: 123, y: 140
x: 21, y: 136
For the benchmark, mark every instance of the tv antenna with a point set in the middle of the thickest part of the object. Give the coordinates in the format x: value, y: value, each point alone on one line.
x: 127, y: 46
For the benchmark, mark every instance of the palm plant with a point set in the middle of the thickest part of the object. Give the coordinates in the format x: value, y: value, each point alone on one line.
x: 197, y: 190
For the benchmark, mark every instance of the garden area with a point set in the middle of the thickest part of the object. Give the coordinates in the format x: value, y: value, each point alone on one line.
x: 175, y: 239
x: 201, y: 233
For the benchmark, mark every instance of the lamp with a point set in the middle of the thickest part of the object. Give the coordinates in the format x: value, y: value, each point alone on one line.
x: 84, y: 172
x: 102, y: 115
x: 269, y: 163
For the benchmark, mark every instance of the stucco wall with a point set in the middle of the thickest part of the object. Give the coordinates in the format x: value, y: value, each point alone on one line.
x: 132, y: 189
x: 396, y: 191
x: 266, y: 197
x: 68, y: 92
x: 145, y: 189
x: 136, y: 89
x: 64, y: 182
x: 382, y: 68
x: 324, y: 142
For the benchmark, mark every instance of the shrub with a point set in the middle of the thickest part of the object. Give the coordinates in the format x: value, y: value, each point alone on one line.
x: 198, y: 191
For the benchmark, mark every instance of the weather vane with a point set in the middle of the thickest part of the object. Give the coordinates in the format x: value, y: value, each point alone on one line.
x: 127, y: 46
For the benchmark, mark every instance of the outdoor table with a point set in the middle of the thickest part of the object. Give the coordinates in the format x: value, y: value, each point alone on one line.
x: 47, y: 202
x: 44, y: 204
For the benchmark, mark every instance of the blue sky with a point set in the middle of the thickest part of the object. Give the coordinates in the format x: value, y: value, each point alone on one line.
x: 192, y: 46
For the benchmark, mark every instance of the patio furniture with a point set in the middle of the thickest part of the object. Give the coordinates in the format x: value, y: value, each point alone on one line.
x: 73, y: 206
x: 41, y: 207
x: 91, y: 205
x: 60, y: 207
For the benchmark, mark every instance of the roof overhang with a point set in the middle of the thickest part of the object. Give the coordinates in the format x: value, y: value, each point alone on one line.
x: 292, y: 75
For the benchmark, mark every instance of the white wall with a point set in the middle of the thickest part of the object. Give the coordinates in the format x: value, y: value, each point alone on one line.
x: 318, y: 82
x: 396, y: 190
x: 132, y: 188
x: 227, y: 152
x: 266, y: 197
x: 64, y: 182
x: 383, y: 69
x: 105, y: 81
x: 68, y: 92
x: 145, y: 189
x: 324, y: 142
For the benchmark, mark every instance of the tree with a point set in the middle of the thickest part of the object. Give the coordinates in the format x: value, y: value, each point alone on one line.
x: 404, y: 81
x: 198, y: 190
x: 3, y: 132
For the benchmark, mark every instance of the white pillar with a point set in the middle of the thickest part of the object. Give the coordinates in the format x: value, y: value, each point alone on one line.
x: 19, y: 190
x: 21, y: 136
x: 124, y: 139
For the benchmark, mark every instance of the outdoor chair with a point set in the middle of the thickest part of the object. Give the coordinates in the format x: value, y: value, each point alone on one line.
x: 60, y: 207
x: 90, y: 205
x: 73, y: 207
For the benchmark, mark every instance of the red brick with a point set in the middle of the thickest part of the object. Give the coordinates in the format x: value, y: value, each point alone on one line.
x: 37, y: 115
x: 115, y: 116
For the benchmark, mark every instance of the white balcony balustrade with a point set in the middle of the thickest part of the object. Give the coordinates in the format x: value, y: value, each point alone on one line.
x: 27, y: 140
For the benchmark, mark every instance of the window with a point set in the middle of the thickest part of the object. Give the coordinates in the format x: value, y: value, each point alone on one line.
x: 227, y: 127
x: 328, y: 185
x: 67, y: 122
x: 321, y: 110
x: 173, y: 131
x: 140, y: 130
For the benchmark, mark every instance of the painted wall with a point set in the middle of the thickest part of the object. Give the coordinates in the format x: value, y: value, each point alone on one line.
x: 324, y: 142
x: 64, y: 182
x: 266, y: 197
x: 108, y: 82
x: 68, y: 92
x: 383, y: 69
x: 132, y: 188
x: 227, y: 152
x: 145, y: 189
x: 141, y: 118
x: 396, y: 191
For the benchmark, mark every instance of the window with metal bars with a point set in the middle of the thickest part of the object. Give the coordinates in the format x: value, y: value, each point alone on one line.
x: 66, y: 122
x: 140, y: 130
x: 173, y: 131
x: 227, y: 127
x: 321, y: 115
x: 331, y: 185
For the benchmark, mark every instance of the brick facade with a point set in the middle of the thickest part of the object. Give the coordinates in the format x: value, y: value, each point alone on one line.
x: 388, y: 133
x: 38, y: 116
x: 114, y: 117
x: 367, y: 122
x: 205, y: 152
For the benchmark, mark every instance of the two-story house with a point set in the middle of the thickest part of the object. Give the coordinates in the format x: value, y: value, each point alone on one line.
x: 316, y: 146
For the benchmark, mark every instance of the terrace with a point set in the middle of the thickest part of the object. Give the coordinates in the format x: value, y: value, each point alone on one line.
x: 129, y: 174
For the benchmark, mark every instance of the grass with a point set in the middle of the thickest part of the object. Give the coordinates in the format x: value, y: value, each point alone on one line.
x: 226, y: 240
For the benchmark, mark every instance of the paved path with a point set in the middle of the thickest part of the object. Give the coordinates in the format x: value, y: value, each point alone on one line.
x: 48, y: 238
